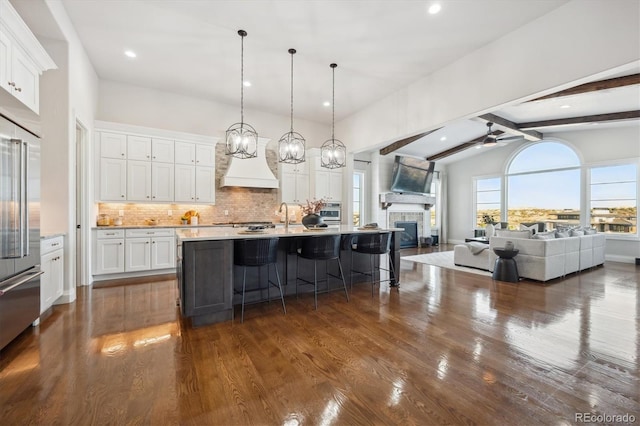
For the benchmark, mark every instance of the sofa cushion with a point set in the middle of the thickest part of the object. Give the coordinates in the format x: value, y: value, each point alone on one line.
x: 562, y: 234
x: 576, y: 233
x: 513, y: 234
x: 551, y: 235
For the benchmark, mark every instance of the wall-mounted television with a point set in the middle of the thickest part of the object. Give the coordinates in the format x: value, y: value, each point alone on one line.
x: 412, y: 174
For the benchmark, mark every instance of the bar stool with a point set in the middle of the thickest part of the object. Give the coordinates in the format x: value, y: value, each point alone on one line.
x: 372, y: 245
x: 257, y: 252
x: 323, y: 247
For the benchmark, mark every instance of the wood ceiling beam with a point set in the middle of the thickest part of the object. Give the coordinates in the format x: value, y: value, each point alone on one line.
x: 404, y: 142
x: 515, y: 128
x: 594, y: 86
x: 598, y: 118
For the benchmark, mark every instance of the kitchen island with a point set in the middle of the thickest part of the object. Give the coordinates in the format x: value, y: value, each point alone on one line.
x: 206, y: 270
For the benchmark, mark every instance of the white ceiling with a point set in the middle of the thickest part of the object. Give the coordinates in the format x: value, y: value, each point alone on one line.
x: 192, y: 46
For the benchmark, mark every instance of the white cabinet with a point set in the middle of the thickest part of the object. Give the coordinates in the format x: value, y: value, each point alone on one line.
x: 52, y: 264
x: 162, y: 182
x: 141, y: 168
x: 113, y: 179
x: 327, y: 183
x: 22, y: 59
x: 113, y: 145
x: 150, y: 249
x: 294, y: 183
x: 162, y: 150
x: 138, y: 180
x: 138, y: 148
x: 109, y: 252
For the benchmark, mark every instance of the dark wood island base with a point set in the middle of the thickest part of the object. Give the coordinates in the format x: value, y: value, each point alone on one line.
x: 207, y: 275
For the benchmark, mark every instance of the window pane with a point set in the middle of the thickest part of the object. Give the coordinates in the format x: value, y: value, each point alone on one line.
x: 488, y: 197
x: 544, y: 156
x: 539, y: 197
x: 613, y: 199
x: 491, y: 184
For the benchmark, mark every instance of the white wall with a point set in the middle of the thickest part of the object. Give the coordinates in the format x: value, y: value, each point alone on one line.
x: 124, y: 103
x: 594, y: 147
x: 563, y: 48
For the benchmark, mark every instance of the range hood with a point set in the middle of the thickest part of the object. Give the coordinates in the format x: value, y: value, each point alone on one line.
x: 389, y: 198
x: 251, y: 172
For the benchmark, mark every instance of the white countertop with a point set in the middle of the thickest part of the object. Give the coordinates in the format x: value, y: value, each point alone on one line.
x: 226, y: 233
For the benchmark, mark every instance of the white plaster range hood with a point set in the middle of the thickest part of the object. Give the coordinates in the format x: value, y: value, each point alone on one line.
x: 251, y: 172
x: 388, y: 198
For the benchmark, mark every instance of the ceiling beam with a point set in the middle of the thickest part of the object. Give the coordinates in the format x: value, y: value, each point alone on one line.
x: 594, y: 86
x: 404, y: 142
x: 459, y: 148
x: 515, y: 128
x: 598, y: 118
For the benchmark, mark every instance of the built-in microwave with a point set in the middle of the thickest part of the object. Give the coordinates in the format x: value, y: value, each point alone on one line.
x: 330, y: 213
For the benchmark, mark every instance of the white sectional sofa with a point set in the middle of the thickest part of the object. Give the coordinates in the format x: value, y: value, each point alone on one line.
x: 540, y: 259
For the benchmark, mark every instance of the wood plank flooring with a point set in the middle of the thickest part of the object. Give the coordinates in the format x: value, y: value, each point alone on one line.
x: 449, y: 347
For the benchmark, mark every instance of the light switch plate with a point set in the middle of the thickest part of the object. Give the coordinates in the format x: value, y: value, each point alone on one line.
x: 169, y: 212
x: 120, y: 213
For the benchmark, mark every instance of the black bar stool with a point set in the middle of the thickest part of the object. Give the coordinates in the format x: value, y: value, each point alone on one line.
x: 323, y: 247
x: 373, y: 245
x: 257, y: 252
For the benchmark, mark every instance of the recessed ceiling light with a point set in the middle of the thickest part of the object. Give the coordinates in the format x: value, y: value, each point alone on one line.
x: 444, y: 138
x: 565, y: 106
x: 326, y: 103
x: 130, y: 53
x: 435, y: 8
x: 247, y: 84
x: 478, y: 146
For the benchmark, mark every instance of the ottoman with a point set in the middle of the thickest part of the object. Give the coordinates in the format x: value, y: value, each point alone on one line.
x: 474, y: 255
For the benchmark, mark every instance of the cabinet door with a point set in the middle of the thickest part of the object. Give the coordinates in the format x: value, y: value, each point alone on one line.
x: 5, y: 63
x: 288, y: 187
x: 206, y: 155
x: 162, y: 150
x: 302, y: 188
x: 110, y: 256
x: 335, y: 186
x: 57, y: 275
x: 26, y: 78
x: 163, y: 252
x: 162, y: 182
x: 138, y: 254
x: 185, y: 183
x: 46, y: 281
x: 113, y: 145
x: 185, y: 153
x: 138, y: 181
x: 321, y: 189
x: 138, y: 148
x: 113, y: 179
x: 205, y: 185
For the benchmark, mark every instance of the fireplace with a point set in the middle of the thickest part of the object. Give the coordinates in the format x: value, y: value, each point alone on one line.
x: 408, y: 238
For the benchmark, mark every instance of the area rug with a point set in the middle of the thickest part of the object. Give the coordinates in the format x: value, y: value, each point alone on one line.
x: 443, y: 259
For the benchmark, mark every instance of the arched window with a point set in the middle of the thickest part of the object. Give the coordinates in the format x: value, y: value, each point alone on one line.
x: 543, y: 185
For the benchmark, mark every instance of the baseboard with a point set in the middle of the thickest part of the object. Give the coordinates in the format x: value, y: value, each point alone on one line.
x: 621, y: 259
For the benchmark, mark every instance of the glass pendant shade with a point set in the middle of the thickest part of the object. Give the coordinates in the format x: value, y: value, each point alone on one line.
x: 241, y: 138
x: 291, y: 146
x: 333, y: 153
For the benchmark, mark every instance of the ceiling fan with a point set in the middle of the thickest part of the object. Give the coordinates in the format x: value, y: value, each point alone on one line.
x: 492, y: 138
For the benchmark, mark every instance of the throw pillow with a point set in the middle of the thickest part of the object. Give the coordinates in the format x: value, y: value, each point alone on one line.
x: 533, y: 228
x: 561, y: 234
x: 590, y: 231
x: 576, y: 233
x: 513, y: 234
x: 545, y: 236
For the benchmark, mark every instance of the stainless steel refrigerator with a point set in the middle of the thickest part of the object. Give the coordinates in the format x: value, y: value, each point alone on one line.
x: 19, y: 230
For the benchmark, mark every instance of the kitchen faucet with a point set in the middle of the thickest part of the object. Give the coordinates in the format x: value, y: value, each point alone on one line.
x: 286, y: 215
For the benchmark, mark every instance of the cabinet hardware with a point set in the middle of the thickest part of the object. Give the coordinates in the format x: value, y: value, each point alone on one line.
x: 18, y: 89
x: 11, y: 83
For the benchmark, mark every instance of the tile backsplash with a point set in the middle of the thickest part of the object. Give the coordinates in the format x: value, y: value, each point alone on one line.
x: 242, y: 204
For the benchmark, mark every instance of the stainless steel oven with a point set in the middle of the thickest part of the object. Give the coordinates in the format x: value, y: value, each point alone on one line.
x: 330, y: 213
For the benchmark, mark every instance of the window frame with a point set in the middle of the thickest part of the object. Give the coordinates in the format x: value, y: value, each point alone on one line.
x: 501, y: 203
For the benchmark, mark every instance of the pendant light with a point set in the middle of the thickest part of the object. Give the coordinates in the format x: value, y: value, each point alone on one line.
x: 291, y: 144
x: 333, y: 153
x: 241, y: 138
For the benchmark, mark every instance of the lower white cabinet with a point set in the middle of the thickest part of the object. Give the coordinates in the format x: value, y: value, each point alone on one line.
x: 109, y: 251
x: 52, y: 264
x: 134, y: 250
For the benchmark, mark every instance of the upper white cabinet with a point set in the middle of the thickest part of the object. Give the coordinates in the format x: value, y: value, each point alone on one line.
x: 294, y: 183
x: 326, y: 183
x: 22, y: 59
x: 153, y: 168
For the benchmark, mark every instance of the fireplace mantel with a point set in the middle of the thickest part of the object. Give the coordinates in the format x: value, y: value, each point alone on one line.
x: 389, y: 198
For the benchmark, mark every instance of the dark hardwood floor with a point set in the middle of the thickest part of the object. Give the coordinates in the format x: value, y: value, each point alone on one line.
x: 449, y: 347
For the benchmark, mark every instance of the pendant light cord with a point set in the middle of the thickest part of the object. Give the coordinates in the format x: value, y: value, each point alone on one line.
x: 242, y: 36
x: 333, y: 100
x: 292, y: 51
